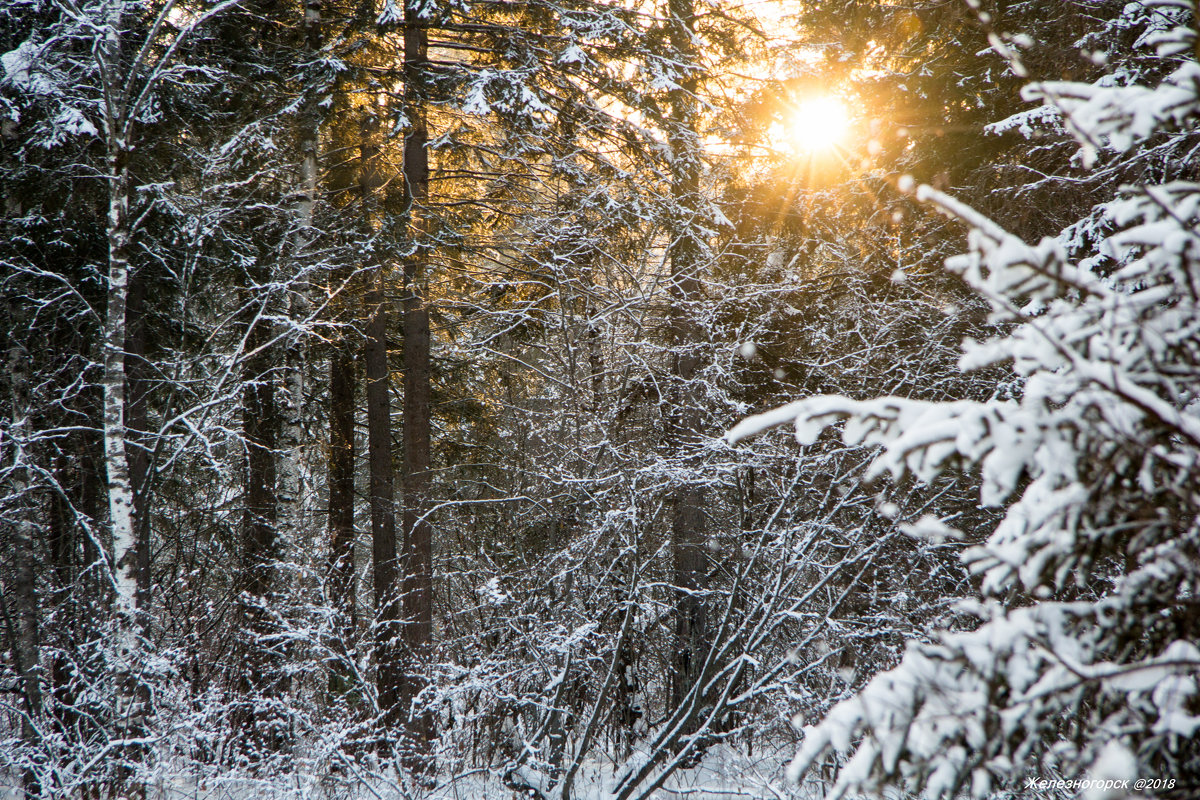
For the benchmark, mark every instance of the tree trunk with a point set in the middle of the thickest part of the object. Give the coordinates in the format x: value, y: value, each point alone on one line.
x: 293, y: 489
x: 137, y: 388
x: 261, y: 681
x: 124, y: 663
x: 388, y: 654
x: 383, y: 510
x: 120, y: 485
x: 686, y: 253
x: 418, y: 532
x: 291, y: 484
x: 690, y: 566
x: 21, y: 613
x: 341, y: 498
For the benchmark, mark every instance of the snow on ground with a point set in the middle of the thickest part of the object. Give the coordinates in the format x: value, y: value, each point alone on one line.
x: 725, y: 773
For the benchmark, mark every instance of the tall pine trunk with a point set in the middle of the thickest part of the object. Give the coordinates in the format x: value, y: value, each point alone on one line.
x: 383, y: 510
x: 341, y: 498
x: 381, y: 492
x: 418, y: 532
x: 261, y: 680
x: 686, y: 254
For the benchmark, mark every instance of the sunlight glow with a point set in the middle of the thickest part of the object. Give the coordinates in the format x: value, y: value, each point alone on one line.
x: 816, y: 124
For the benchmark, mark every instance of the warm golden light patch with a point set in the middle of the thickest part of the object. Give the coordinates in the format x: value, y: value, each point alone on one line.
x: 817, y: 124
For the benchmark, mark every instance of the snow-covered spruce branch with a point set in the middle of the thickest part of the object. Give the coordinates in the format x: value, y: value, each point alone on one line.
x: 1091, y: 459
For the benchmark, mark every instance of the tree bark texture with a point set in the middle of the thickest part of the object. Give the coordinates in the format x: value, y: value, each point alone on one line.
x: 341, y: 489
x: 20, y: 605
x: 293, y: 481
x: 381, y: 493
x: 262, y: 676
x: 383, y: 509
x: 124, y: 662
x: 685, y: 425
x: 418, y: 532
x: 120, y: 485
x: 137, y: 373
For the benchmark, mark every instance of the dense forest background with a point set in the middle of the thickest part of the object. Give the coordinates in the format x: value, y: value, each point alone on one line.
x: 368, y: 368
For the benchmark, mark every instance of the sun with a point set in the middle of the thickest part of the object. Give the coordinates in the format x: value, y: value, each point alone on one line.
x: 814, y: 125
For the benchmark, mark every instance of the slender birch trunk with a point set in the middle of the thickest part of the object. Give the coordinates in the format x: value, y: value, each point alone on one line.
x: 116, y: 461
x: 293, y: 482
x: 129, y: 714
x: 125, y: 665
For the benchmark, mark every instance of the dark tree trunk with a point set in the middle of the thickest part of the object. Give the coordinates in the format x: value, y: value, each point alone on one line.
x: 690, y: 564
x: 19, y: 609
x: 261, y: 680
x: 341, y: 493
x: 685, y: 426
x: 383, y: 510
x: 259, y: 425
x: 418, y: 532
x: 78, y: 600
x: 65, y: 597
x: 381, y: 492
x: 138, y: 444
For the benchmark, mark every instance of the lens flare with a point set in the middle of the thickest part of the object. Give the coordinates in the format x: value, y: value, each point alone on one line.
x: 818, y: 123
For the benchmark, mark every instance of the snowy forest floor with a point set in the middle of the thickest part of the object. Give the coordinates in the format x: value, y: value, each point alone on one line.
x: 724, y: 773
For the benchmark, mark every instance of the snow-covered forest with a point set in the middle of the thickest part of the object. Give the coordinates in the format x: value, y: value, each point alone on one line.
x: 594, y: 399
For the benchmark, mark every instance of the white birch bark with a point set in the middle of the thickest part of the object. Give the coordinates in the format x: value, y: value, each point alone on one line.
x: 123, y: 95
x: 123, y: 658
x: 292, y: 485
x: 293, y: 482
x: 116, y: 462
